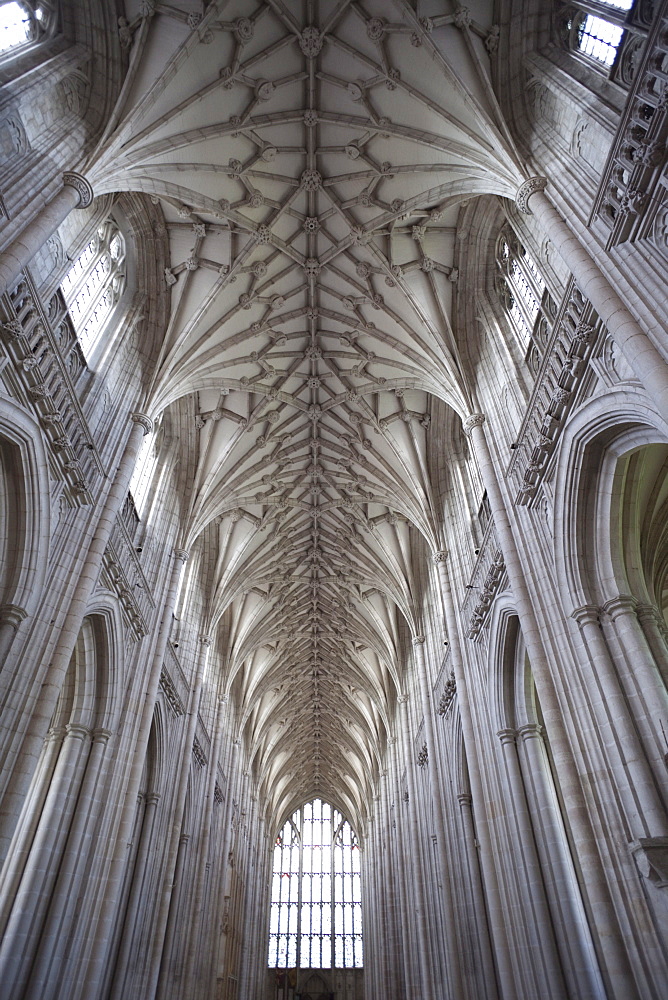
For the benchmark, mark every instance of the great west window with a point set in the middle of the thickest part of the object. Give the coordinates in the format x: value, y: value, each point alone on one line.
x: 316, y: 902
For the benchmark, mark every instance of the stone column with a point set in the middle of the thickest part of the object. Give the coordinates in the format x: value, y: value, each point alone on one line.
x: 572, y: 929
x: 52, y: 682
x: 108, y: 911
x: 76, y: 192
x: 642, y: 679
x: 531, y: 887
x: 176, y: 821
x: 404, y: 926
x: 642, y: 798
x: 425, y: 968
x: 37, y: 868
x: 497, y: 913
x: 433, y: 764
x: 203, y: 854
x: 136, y: 890
x: 233, y: 784
x: 71, y: 870
x: 478, y: 897
x: 408, y: 930
x: 11, y: 616
x: 609, y: 936
x: 655, y: 630
x: 172, y: 921
x: 643, y: 357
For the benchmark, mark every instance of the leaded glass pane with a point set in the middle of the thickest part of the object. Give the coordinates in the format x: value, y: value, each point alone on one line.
x: 315, y: 891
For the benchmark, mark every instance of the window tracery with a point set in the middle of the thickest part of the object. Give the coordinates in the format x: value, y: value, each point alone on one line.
x: 316, y: 902
x: 521, y: 286
x: 23, y: 22
x: 585, y: 31
x: 94, y: 284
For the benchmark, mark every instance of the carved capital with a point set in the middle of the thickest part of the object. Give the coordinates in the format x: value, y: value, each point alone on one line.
x: 82, y: 187
x: 141, y: 418
x: 525, y: 191
x: 12, y: 614
x: 402, y: 699
x: 464, y: 799
x: 205, y: 640
x: 531, y: 731
x: 507, y: 736
x: 76, y: 731
x: 588, y: 614
x: 475, y: 420
x: 418, y: 640
x: 391, y: 741
x: 181, y: 554
x: 441, y: 556
x: 623, y: 604
x: 152, y: 798
x: 650, y: 614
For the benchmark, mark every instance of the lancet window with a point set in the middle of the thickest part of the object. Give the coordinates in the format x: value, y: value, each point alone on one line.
x: 316, y: 902
x: 22, y: 22
x: 94, y: 284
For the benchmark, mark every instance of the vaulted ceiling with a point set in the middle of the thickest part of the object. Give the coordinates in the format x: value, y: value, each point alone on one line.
x: 311, y: 159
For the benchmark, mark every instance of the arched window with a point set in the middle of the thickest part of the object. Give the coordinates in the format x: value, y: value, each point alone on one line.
x: 583, y: 30
x: 316, y: 902
x: 22, y: 22
x: 94, y: 284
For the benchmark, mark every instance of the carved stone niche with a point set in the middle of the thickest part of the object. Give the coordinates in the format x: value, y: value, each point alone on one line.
x: 651, y: 855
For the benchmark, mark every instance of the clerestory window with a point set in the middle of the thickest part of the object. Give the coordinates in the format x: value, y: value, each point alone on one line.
x: 521, y: 285
x: 94, y: 284
x: 529, y: 307
x: 595, y: 31
x: 316, y: 900
x: 23, y: 22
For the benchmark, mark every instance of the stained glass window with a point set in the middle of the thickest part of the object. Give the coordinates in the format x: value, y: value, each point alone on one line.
x: 94, y: 284
x: 316, y: 902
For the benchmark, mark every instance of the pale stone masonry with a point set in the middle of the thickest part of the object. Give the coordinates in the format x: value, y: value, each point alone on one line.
x: 333, y: 465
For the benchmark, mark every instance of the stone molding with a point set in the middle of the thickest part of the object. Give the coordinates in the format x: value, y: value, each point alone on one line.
x: 488, y: 592
x: 474, y: 420
x: 144, y: 420
x: 525, y: 190
x: 12, y: 614
x: 82, y: 186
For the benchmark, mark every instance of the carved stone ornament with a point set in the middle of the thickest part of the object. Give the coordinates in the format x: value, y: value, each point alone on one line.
x: 310, y: 42
x: 525, y: 191
x: 475, y: 420
x: 462, y: 17
x: 81, y: 186
x: 146, y: 422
